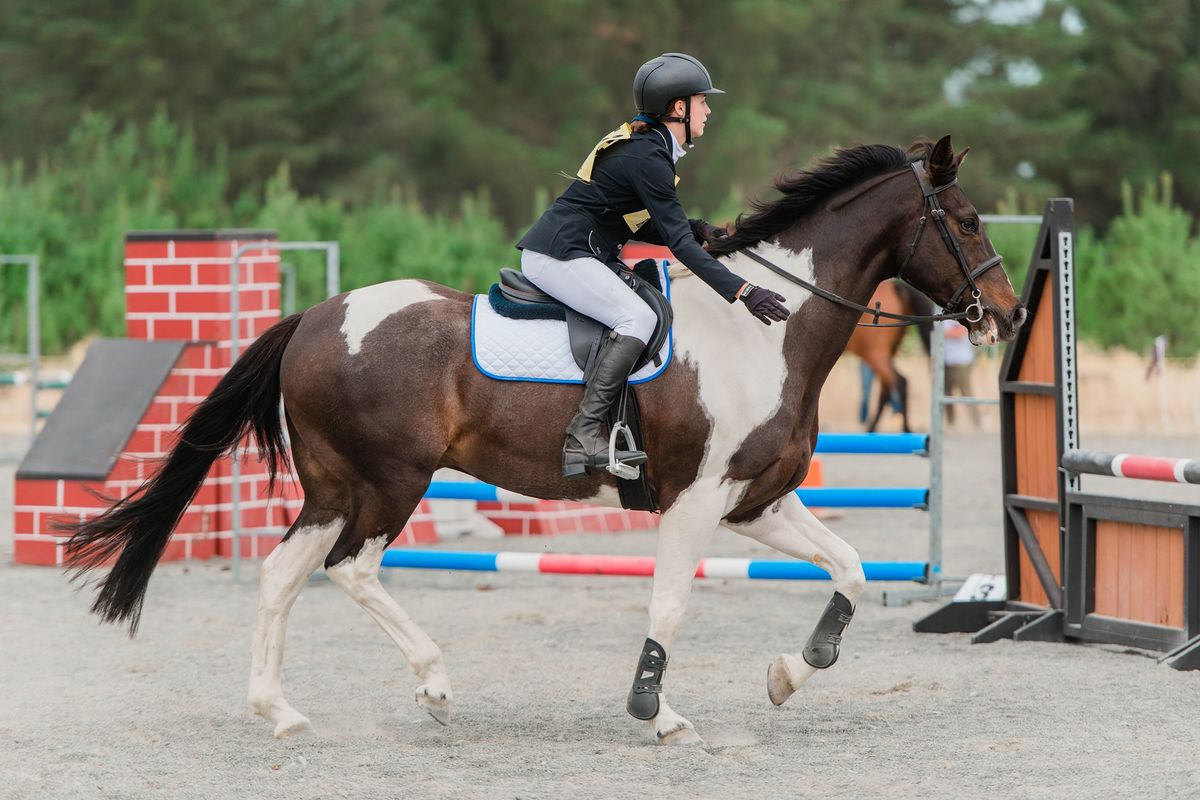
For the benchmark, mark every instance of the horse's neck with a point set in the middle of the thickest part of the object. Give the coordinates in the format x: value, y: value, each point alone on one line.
x: 758, y: 371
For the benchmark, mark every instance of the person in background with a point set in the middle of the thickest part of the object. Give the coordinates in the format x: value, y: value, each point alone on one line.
x: 959, y: 353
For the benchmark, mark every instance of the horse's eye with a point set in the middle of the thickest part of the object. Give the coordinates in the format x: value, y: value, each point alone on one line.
x: 969, y: 225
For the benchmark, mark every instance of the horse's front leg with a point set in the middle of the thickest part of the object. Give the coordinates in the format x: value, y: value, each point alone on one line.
x: 789, y: 527
x: 684, y: 531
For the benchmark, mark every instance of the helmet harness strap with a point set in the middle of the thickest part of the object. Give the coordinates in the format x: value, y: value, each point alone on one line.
x: 686, y: 119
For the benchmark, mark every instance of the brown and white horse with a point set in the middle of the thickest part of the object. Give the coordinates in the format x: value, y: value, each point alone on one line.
x: 380, y: 390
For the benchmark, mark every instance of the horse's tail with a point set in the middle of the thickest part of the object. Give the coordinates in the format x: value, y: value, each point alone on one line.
x: 922, y: 305
x: 136, y: 529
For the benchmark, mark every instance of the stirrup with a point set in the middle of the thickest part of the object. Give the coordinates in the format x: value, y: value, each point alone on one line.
x: 623, y: 470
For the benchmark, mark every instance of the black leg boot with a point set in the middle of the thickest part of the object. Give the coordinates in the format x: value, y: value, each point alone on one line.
x: 586, y: 447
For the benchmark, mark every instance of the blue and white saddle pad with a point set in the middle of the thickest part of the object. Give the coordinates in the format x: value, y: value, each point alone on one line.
x: 538, y: 349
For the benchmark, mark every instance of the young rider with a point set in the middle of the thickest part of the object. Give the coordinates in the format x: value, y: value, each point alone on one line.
x: 626, y: 189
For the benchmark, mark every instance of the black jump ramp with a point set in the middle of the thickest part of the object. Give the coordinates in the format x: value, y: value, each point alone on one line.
x: 100, y: 409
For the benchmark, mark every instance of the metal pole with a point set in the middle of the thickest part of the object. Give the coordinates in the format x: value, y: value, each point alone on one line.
x: 287, y: 276
x: 331, y: 282
x: 33, y: 304
x: 936, y: 431
x: 1020, y: 219
x: 333, y: 269
x: 33, y: 330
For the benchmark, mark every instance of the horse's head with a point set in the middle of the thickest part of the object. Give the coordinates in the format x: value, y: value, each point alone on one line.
x: 957, y: 266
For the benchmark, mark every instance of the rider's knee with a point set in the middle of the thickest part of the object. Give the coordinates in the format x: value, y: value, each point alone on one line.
x: 638, y: 322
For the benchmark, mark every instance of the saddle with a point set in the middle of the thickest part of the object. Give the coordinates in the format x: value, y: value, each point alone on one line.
x: 516, y: 296
x: 585, y: 333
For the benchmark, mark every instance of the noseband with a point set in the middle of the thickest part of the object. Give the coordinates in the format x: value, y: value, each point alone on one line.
x: 931, y: 208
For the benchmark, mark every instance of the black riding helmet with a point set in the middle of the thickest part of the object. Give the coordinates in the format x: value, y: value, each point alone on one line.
x: 671, y: 75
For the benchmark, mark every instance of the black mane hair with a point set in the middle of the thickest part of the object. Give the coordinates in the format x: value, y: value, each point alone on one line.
x: 806, y: 190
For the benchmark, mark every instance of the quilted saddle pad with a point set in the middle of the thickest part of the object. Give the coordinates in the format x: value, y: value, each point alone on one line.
x: 538, y: 349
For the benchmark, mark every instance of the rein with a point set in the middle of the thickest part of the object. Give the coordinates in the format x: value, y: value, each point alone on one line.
x: 932, y: 208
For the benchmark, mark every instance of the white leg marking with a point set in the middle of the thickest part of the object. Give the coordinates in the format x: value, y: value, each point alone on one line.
x: 359, y: 578
x: 283, y: 575
x: 789, y: 527
x: 683, y: 534
x: 371, y: 305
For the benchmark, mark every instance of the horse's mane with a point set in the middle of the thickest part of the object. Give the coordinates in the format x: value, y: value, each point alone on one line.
x: 806, y: 190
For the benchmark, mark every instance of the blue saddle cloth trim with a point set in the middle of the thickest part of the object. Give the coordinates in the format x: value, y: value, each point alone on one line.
x: 664, y: 286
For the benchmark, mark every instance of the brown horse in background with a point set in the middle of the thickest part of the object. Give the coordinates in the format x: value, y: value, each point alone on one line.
x: 877, y: 347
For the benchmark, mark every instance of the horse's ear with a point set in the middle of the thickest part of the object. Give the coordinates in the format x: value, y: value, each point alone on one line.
x: 958, y: 159
x: 941, y: 158
x: 942, y: 166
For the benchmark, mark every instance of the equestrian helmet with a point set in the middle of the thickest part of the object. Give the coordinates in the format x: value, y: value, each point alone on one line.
x: 671, y: 75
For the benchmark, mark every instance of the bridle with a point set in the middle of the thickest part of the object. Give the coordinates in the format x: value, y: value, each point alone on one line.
x: 932, y: 207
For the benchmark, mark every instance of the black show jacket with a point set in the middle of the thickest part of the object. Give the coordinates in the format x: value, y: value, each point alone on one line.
x: 588, y: 219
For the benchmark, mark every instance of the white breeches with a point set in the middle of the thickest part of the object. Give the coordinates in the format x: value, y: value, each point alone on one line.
x: 591, y: 288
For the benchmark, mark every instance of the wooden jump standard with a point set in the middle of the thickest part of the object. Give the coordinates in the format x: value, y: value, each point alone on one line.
x: 1081, y: 567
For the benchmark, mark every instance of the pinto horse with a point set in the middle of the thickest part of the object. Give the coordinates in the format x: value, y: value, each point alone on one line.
x: 877, y: 347
x: 379, y: 391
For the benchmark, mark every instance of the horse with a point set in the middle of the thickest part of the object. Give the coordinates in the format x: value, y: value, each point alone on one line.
x: 877, y: 347
x: 379, y: 390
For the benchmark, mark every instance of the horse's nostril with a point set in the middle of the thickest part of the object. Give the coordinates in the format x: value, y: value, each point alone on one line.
x: 1019, y: 316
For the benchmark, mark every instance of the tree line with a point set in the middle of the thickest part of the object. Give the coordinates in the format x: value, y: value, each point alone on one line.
x: 426, y: 135
x: 454, y: 97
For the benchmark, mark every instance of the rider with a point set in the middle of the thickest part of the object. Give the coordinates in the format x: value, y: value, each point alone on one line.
x: 571, y: 252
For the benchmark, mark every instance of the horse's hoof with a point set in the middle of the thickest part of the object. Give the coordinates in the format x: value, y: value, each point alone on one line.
x: 290, y: 727
x: 435, y: 702
x: 785, y: 676
x: 681, y: 735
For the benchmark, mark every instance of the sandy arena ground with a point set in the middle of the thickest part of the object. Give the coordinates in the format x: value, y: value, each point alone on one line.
x: 541, y: 665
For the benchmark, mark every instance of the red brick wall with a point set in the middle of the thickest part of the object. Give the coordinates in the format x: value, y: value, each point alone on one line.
x: 179, y: 288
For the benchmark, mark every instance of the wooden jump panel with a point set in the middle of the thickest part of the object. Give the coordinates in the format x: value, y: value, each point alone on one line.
x: 1140, y: 573
x: 1040, y: 357
x: 1035, y: 448
x: 1045, y: 529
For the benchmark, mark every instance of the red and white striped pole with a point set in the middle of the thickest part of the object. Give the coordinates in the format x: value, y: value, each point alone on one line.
x: 1124, y: 465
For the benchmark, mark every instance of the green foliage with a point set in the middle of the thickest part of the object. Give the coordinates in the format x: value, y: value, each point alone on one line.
x: 1144, y: 280
x: 73, y: 211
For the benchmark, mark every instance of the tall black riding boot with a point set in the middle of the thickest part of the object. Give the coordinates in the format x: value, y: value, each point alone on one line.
x: 586, y: 447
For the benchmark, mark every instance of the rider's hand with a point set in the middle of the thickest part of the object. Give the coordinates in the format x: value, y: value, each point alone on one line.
x: 706, y: 233
x: 766, y: 305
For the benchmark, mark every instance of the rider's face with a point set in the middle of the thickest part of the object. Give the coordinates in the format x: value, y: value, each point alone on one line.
x: 700, y: 112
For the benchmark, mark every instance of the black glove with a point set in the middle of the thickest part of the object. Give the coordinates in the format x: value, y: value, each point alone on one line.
x: 765, y: 304
x: 706, y: 233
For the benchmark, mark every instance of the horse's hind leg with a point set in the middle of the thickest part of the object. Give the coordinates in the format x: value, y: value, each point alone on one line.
x: 283, y: 575
x: 789, y: 527
x: 354, y: 566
